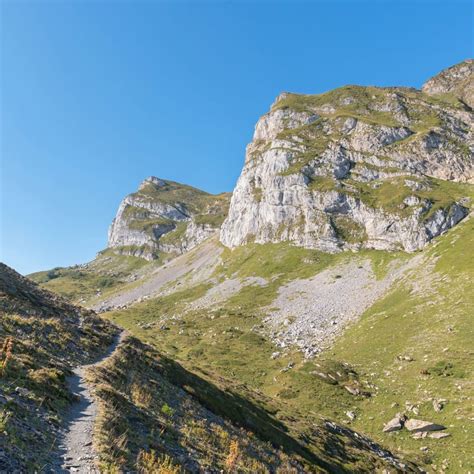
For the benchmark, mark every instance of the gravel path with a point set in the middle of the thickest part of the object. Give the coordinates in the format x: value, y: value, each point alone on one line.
x: 76, y: 452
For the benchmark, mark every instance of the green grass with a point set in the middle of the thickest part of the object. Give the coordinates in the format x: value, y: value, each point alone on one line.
x: 222, y: 342
x: 349, y: 230
x: 360, y: 106
x: 175, y: 237
x: 434, y: 327
x: 388, y: 194
x: 106, y: 274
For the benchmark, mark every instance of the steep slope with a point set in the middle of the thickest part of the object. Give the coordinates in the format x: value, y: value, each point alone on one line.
x: 165, y: 217
x: 157, y: 414
x: 42, y: 338
x: 352, y: 168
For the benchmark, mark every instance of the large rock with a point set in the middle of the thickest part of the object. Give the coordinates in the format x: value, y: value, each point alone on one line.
x: 357, y: 167
x: 421, y: 426
x: 395, y: 424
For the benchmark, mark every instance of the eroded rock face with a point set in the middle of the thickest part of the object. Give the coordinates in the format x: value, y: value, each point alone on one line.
x: 163, y: 216
x: 355, y: 167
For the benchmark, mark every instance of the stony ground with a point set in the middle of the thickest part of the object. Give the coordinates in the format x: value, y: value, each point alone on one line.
x: 224, y: 290
x: 310, y: 313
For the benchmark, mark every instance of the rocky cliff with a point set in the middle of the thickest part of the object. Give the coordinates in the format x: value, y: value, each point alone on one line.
x: 164, y: 216
x: 357, y: 167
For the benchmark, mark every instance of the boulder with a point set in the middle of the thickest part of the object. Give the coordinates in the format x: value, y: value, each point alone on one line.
x: 420, y: 425
x: 395, y: 424
x: 438, y: 435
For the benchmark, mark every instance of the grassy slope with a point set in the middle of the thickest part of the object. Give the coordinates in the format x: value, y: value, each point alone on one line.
x: 428, y: 318
x: 104, y: 275
x: 221, y: 344
x: 150, y: 404
x: 47, y: 340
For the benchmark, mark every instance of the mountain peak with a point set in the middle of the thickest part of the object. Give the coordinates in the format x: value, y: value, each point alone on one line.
x: 157, y: 182
x: 455, y: 80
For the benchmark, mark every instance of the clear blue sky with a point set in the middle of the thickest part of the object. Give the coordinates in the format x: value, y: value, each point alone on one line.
x: 96, y: 96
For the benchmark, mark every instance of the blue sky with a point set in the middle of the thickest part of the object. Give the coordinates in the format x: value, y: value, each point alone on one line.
x: 96, y: 96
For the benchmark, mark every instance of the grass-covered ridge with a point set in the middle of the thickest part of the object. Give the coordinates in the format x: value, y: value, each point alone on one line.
x: 106, y: 274
x: 361, y: 101
x: 193, y: 201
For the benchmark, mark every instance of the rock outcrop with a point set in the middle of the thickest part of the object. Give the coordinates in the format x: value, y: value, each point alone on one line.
x: 164, y: 216
x: 356, y: 167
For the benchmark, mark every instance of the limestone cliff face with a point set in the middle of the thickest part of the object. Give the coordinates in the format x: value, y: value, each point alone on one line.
x: 163, y: 216
x: 357, y: 167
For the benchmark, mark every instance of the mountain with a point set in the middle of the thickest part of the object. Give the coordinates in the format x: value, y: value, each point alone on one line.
x: 357, y: 167
x: 331, y: 315
x: 165, y: 217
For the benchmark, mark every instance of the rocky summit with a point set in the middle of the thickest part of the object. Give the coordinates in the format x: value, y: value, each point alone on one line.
x: 355, y: 167
x: 168, y: 217
x: 358, y: 167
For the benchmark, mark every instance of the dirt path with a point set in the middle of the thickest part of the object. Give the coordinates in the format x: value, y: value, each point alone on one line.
x: 76, y: 453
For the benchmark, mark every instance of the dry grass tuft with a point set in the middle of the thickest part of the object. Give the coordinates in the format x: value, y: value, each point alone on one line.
x: 6, y: 354
x: 233, y: 456
x: 152, y: 463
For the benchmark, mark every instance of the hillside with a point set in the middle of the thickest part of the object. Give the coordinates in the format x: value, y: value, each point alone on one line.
x: 153, y: 414
x: 330, y: 314
x: 42, y: 338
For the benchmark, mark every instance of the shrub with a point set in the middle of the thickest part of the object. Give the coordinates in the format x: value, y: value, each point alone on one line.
x: 167, y: 410
x: 6, y: 354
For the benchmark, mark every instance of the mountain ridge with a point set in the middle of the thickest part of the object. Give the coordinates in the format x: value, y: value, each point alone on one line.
x: 355, y: 167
